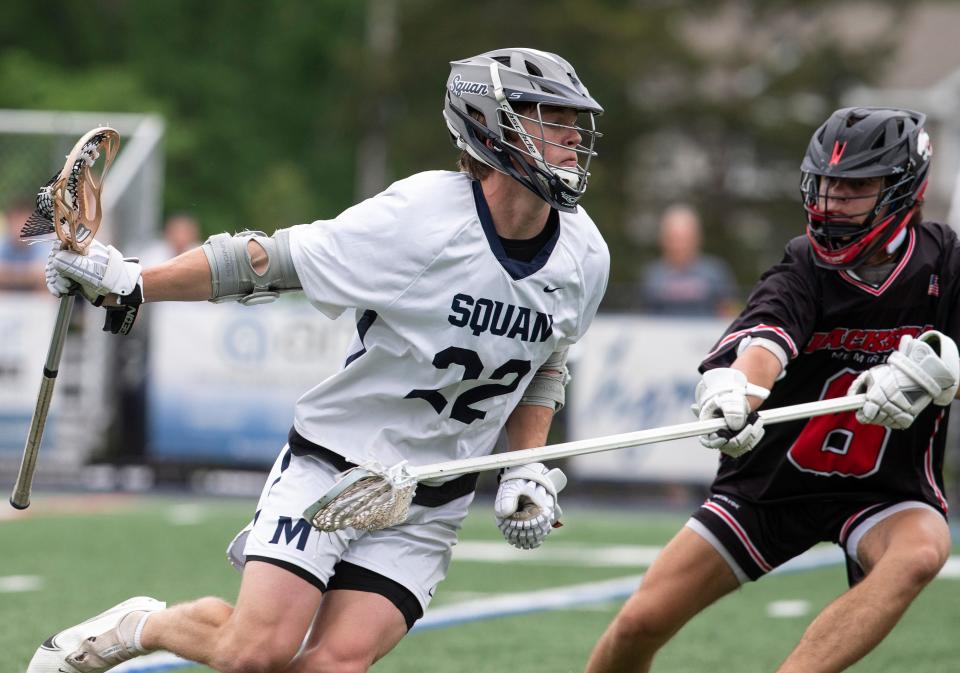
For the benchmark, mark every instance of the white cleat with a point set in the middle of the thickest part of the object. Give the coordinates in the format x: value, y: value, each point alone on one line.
x: 77, y: 650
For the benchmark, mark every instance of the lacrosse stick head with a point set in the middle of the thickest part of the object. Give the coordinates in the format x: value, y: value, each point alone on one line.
x: 368, y: 497
x: 69, y: 204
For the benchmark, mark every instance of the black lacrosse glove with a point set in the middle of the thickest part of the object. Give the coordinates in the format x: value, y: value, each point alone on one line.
x: 735, y: 443
x: 120, y: 318
x: 727, y: 433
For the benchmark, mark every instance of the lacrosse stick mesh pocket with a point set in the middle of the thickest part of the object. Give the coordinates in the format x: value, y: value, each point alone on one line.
x: 365, y: 498
x: 69, y: 204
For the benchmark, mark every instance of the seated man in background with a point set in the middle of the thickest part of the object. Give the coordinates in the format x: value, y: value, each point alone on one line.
x: 181, y: 232
x: 683, y: 281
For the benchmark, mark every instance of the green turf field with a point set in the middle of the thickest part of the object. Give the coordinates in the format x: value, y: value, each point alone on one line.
x: 68, y: 559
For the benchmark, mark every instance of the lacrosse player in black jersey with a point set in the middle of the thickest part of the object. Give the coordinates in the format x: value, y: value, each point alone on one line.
x: 866, y: 302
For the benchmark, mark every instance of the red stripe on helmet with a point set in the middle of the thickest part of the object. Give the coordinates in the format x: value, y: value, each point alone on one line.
x: 838, y: 150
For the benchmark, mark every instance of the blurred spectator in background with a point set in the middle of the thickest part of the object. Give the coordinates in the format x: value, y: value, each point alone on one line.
x: 684, y: 282
x: 21, y: 265
x: 181, y: 232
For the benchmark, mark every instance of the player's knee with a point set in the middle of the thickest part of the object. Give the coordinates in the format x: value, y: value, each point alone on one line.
x: 247, y: 659
x: 916, y: 566
x: 211, y: 610
x: 325, y: 659
x: 640, y: 629
x: 238, y: 651
x: 924, y: 563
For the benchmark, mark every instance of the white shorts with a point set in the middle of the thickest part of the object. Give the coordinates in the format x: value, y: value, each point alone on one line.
x: 416, y: 554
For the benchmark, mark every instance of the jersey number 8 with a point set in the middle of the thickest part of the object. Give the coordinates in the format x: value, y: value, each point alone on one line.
x: 838, y: 444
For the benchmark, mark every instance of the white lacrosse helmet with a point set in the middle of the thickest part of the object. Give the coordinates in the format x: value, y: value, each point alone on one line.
x: 478, y: 107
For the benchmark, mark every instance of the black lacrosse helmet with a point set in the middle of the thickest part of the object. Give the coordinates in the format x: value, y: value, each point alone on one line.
x: 863, y: 143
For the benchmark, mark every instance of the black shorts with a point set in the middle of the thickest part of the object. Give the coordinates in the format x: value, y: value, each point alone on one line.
x: 354, y: 577
x: 756, y: 538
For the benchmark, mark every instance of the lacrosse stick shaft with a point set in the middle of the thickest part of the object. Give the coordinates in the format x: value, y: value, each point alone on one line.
x: 543, y: 453
x: 20, y: 498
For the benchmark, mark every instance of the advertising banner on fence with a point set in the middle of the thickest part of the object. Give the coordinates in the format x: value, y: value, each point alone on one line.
x: 223, y: 380
x: 26, y: 324
x: 636, y: 372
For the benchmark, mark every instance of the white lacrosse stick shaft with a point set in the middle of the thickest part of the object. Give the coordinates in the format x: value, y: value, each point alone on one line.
x: 581, y: 447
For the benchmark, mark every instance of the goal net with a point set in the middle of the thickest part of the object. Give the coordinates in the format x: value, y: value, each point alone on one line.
x: 33, y: 145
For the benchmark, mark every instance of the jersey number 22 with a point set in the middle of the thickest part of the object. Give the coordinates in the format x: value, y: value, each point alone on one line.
x: 472, y: 369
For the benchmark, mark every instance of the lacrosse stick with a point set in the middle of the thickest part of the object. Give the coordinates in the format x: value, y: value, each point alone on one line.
x: 371, y: 496
x: 68, y: 205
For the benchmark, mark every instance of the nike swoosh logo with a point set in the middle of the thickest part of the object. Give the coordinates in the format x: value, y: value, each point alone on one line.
x: 547, y: 288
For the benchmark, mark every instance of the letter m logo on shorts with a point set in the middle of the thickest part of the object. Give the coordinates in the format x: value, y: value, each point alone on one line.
x: 289, y: 531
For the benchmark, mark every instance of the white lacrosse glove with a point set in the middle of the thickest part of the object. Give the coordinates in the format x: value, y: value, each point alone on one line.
x: 57, y: 284
x: 722, y: 393
x: 526, y: 506
x: 101, y: 271
x: 913, y: 376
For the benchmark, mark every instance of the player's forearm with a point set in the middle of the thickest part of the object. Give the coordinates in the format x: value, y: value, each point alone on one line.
x: 186, y: 277
x: 761, y: 367
x: 528, y: 426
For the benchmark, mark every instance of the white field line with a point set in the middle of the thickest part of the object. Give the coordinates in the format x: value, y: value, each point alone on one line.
x: 491, y: 607
x: 625, y: 556
x: 556, y: 598
x: 952, y: 568
x: 787, y: 609
x: 577, y: 595
x: 618, y: 556
x: 18, y: 583
x: 186, y: 514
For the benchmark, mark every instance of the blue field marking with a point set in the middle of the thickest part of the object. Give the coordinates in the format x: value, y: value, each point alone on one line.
x: 578, y: 595
x: 527, y: 602
x: 154, y: 663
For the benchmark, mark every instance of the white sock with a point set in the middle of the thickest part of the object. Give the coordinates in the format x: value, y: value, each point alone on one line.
x: 130, y: 630
x: 139, y: 631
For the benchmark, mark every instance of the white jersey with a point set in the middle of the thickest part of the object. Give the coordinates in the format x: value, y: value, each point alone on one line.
x: 449, y: 329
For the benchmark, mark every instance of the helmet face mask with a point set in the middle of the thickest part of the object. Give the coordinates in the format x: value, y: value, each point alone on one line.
x: 534, y: 146
x: 505, y: 109
x: 870, y: 165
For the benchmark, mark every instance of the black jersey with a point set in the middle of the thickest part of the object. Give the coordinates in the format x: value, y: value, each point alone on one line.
x: 832, y: 326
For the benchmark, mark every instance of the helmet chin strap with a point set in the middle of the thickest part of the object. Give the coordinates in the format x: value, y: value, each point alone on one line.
x: 878, y: 271
x: 897, y: 241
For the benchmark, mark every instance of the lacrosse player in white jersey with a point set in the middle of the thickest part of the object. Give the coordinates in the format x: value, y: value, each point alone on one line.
x: 468, y: 288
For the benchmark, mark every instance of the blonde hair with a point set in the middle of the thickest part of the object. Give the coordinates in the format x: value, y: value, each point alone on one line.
x: 477, y: 170
x: 472, y: 166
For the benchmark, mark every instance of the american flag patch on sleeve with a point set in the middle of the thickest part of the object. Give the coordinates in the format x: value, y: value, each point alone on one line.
x: 933, y: 288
